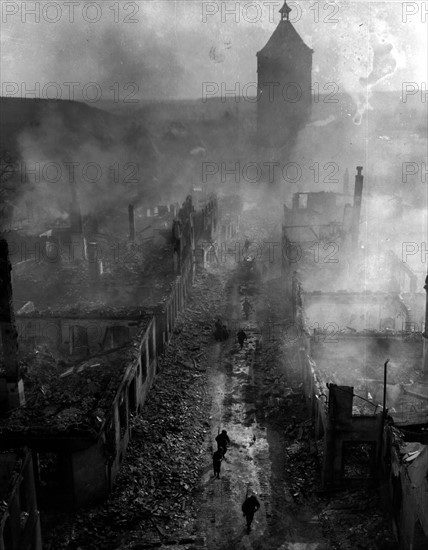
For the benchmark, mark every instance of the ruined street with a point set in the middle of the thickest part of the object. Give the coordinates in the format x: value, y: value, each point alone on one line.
x: 252, y: 398
x: 166, y: 493
x: 213, y: 220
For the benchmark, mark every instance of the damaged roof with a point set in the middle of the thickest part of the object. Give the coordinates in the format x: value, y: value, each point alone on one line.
x: 69, y: 401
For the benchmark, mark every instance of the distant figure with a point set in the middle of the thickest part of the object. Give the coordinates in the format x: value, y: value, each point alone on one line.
x: 218, y: 333
x: 246, y: 246
x: 241, y: 337
x: 247, y: 307
x: 222, y: 442
x: 217, y: 458
x: 249, y: 508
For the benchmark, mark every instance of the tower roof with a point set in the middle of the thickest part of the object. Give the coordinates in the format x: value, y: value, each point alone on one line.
x: 284, y: 40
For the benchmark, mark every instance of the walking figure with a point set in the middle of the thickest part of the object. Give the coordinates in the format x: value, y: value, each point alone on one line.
x: 222, y: 442
x: 221, y: 331
x: 247, y: 307
x: 249, y: 508
x: 217, y: 458
x: 241, y: 337
x: 246, y: 246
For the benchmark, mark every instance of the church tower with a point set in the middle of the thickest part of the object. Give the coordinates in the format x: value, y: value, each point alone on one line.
x: 284, y: 68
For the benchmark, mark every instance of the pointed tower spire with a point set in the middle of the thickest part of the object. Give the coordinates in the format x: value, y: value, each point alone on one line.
x: 284, y: 11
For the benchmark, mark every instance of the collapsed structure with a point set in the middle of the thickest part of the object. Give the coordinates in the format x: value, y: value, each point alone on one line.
x: 362, y: 356
x: 86, y: 368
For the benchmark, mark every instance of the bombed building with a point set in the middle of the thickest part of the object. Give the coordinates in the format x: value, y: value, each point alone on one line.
x: 183, y: 342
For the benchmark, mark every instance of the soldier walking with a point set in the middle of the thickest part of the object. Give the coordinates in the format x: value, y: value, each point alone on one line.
x: 249, y: 508
x: 217, y: 458
x: 241, y: 337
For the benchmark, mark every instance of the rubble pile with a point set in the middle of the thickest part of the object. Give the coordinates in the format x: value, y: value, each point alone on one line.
x: 126, y: 268
x: 285, y: 407
x: 302, y: 460
x: 68, y: 401
x: 362, y: 524
x: 154, y: 498
x: 275, y: 396
x: 99, y: 310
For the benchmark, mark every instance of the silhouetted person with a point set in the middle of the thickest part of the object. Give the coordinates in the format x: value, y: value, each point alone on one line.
x: 217, y: 458
x: 241, y: 337
x: 249, y: 508
x: 246, y: 246
x: 222, y: 441
x: 218, y: 333
x: 247, y: 307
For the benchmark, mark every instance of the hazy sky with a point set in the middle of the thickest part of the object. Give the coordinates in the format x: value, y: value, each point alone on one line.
x: 167, y: 49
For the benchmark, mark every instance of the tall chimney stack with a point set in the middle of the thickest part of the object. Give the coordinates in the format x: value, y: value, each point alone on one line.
x: 131, y: 222
x: 12, y: 386
x: 358, y: 195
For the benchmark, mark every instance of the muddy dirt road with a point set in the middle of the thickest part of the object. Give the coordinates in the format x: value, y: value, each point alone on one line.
x: 243, y: 402
x: 166, y: 494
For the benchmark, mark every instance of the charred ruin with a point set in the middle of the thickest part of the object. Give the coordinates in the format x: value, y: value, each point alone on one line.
x: 178, y: 293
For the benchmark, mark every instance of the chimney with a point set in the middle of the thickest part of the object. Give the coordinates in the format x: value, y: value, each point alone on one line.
x: 131, y: 222
x: 12, y: 386
x: 358, y: 194
x: 346, y: 182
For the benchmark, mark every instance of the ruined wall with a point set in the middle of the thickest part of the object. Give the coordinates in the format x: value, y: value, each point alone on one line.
x: 79, y: 336
x: 167, y: 313
x: 360, y: 311
x: 407, y: 488
x: 95, y: 468
x: 414, y: 509
x: 131, y: 396
x: 348, y: 358
x: 88, y: 472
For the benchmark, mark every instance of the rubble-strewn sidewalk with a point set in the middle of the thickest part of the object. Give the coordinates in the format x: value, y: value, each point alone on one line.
x: 153, y: 500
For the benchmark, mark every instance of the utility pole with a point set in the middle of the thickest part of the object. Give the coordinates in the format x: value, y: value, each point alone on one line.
x: 425, y: 334
x: 358, y: 194
x: 385, y: 366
